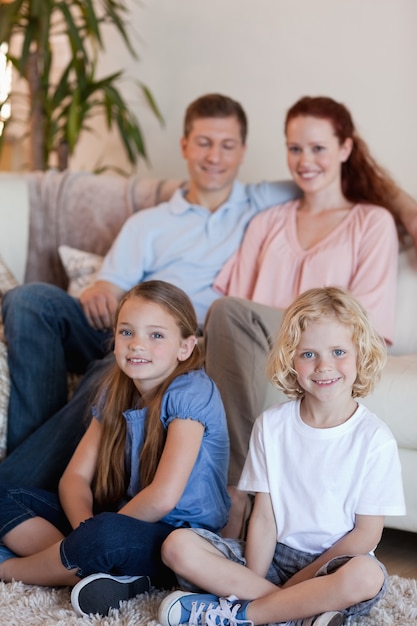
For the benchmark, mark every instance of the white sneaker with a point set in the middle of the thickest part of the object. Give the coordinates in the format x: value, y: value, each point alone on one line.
x: 329, y: 618
x: 98, y: 593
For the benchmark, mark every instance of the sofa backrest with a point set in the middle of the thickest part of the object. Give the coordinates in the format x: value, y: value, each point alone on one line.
x: 86, y: 211
x: 405, y: 335
x: 82, y: 210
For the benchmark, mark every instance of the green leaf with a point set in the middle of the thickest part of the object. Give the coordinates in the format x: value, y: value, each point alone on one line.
x: 151, y: 102
x: 68, y: 100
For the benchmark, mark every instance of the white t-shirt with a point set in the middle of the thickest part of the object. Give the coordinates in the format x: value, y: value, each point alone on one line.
x: 320, y: 478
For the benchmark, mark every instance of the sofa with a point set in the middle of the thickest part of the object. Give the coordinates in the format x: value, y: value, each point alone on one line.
x: 56, y: 227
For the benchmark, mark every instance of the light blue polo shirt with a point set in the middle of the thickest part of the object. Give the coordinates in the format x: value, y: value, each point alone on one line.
x: 186, y: 244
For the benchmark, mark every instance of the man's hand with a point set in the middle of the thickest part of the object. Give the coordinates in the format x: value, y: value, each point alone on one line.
x: 100, y: 302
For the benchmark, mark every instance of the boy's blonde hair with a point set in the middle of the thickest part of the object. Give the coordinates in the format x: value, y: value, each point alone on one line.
x: 311, y: 306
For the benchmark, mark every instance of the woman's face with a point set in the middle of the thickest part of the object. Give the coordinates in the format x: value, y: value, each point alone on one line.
x: 314, y: 154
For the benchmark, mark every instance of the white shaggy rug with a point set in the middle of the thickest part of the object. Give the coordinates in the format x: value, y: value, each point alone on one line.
x: 25, y: 605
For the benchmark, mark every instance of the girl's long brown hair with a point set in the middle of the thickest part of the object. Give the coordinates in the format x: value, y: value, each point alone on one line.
x: 117, y: 394
x: 363, y: 179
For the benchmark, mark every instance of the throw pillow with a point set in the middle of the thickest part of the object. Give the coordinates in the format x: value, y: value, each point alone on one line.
x: 81, y: 268
x: 7, y: 281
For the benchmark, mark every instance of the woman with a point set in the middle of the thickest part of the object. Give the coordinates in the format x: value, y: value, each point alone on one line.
x: 337, y: 233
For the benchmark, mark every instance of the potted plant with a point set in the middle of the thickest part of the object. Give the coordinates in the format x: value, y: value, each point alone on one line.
x: 62, y: 108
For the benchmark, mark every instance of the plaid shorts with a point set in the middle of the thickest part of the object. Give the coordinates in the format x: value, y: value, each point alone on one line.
x: 285, y: 563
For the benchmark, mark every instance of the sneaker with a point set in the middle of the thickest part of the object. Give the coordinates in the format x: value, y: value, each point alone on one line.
x: 99, y: 593
x: 329, y: 618
x: 198, y: 609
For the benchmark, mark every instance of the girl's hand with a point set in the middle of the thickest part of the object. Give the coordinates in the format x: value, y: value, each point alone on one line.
x: 75, y: 485
x: 180, y: 452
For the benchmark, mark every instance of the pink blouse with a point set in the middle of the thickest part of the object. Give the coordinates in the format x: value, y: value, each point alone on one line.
x: 360, y: 254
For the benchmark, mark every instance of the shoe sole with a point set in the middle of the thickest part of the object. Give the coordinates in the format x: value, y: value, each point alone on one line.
x: 98, y: 593
x: 166, y: 605
x: 337, y: 619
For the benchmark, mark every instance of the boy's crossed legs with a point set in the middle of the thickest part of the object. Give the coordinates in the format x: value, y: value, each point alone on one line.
x: 351, y: 584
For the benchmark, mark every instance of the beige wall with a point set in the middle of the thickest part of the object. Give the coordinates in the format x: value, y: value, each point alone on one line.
x: 267, y: 53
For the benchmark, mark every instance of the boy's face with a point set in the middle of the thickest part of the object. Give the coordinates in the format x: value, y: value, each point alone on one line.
x: 214, y: 152
x: 325, y: 360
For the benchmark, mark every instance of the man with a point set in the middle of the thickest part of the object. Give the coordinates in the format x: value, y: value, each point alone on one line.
x: 185, y: 241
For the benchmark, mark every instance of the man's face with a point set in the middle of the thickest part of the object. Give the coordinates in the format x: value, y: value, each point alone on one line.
x: 214, y: 151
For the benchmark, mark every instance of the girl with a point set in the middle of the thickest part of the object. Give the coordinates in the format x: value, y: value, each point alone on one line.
x: 325, y: 471
x: 154, y: 458
x: 337, y: 233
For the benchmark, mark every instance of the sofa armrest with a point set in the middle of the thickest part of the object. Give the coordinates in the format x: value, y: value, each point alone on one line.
x: 14, y: 219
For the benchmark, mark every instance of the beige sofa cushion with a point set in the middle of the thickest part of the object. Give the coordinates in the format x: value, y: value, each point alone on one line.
x: 81, y: 268
x: 393, y: 400
x: 405, y: 334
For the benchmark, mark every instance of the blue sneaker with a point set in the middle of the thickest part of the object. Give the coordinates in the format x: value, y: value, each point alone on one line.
x: 98, y: 593
x: 202, y: 609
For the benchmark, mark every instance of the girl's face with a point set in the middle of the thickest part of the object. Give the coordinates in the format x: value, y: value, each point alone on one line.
x: 325, y: 360
x: 314, y: 154
x: 148, y: 343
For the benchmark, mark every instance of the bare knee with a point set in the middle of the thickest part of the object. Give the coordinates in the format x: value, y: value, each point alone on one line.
x: 174, y: 548
x: 362, y: 579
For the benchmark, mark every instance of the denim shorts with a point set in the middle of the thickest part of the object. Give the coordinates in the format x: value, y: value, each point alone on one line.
x: 285, y: 563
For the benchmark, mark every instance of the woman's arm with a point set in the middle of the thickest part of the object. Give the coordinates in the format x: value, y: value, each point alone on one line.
x: 262, y: 535
x: 362, y: 539
x: 404, y: 208
x: 179, y: 455
x: 75, y: 485
x: 374, y: 281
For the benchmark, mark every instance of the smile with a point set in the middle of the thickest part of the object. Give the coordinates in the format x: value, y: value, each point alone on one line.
x: 326, y: 382
x: 136, y: 360
x: 308, y: 175
x: 212, y: 170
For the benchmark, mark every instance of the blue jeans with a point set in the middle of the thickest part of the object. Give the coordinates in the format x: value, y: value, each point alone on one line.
x: 43, y: 456
x: 47, y: 335
x: 108, y: 542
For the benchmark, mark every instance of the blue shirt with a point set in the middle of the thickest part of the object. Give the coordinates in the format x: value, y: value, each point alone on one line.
x: 187, y: 245
x: 205, y: 502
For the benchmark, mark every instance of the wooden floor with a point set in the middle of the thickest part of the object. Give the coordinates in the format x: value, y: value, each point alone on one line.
x: 398, y: 551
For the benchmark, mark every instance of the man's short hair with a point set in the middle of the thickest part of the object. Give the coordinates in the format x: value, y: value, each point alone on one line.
x: 215, y: 105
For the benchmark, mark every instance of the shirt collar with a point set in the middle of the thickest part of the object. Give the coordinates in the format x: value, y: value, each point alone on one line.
x: 180, y: 205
